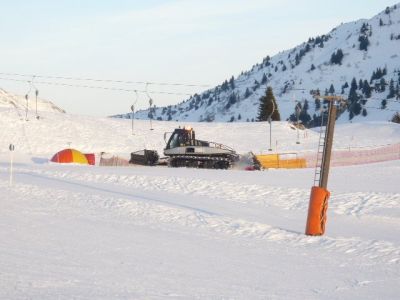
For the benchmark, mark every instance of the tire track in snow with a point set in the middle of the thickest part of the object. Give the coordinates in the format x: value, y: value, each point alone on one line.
x: 99, y: 206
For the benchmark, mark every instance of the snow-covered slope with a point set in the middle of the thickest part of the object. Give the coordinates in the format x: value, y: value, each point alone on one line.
x: 20, y: 103
x: 90, y: 232
x: 368, y: 47
x: 54, y: 132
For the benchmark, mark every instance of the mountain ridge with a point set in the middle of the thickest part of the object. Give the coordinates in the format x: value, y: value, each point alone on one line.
x: 354, y: 50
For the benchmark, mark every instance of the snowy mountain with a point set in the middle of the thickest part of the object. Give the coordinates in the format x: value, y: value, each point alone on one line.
x: 20, y: 103
x: 359, y: 61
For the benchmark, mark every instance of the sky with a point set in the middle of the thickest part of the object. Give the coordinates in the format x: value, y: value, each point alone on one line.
x: 189, y: 42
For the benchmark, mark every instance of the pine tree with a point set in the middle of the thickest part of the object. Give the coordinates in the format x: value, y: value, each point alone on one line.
x: 380, y: 22
x: 351, y: 115
x: 396, y: 118
x: 360, y: 84
x: 247, y: 93
x: 306, y: 106
x: 317, y: 104
x: 364, y: 112
x: 264, y: 79
x: 392, y: 91
x: 232, y: 83
x: 382, y: 84
x: 312, y: 67
x: 331, y: 89
x: 268, y: 107
x: 337, y: 57
x: 364, y: 42
x: 353, y: 84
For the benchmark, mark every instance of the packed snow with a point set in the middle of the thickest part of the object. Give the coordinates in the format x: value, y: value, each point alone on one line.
x: 90, y: 232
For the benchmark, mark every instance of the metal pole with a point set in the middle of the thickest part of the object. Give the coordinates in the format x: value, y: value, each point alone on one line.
x: 270, y: 125
x: 270, y: 135
x: 26, y: 109
x: 132, y: 116
x: 11, y: 147
x: 326, y: 157
x: 297, y: 114
x: 36, y: 94
x: 151, y: 114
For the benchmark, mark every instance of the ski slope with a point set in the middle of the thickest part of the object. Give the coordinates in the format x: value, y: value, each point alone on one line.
x: 90, y: 232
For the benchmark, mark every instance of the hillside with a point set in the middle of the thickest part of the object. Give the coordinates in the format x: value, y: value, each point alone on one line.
x: 365, y: 50
x: 21, y: 104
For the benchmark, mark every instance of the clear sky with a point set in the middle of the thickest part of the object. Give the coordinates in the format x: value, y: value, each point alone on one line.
x: 177, y: 41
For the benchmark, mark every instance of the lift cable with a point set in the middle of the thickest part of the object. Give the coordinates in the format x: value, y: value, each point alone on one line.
x: 96, y: 87
x: 106, y: 80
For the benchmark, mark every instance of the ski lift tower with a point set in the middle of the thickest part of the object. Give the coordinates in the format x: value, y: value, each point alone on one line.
x: 319, y: 194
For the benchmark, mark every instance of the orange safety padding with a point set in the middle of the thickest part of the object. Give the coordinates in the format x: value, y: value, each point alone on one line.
x: 268, y: 160
x: 274, y: 161
x: 317, y: 208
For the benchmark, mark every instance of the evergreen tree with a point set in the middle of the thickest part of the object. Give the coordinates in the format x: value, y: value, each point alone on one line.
x: 353, y: 84
x: 353, y: 98
x: 337, y: 57
x: 239, y: 117
x: 268, y: 107
x: 317, y: 104
x: 367, y: 89
x: 383, y: 104
x: 364, y: 112
x: 264, y: 79
x: 312, y: 67
x: 232, y: 83
x: 360, y: 84
x: 247, y: 93
x: 364, y: 42
x: 331, y: 89
x: 392, y: 91
x: 306, y: 106
x: 382, y: 84
x: 351, y: 115
x: 224, y: 86
x: 357, y: 108
x: 396, y: 118
x: 380, y: 22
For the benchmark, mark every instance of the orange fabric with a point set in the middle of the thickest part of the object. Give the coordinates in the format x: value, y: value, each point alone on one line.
x: 69, y: 156
x: 317, y: 208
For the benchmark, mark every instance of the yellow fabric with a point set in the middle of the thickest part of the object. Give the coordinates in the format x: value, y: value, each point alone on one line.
x: 78, y: 157
x: 274, y: 161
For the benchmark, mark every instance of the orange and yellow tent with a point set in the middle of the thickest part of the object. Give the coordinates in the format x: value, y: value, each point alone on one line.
x: 70, y: 156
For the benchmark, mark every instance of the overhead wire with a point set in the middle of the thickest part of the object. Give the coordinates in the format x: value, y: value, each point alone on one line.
x: 137, y: 90
x: 96, y: 87
x: 105, y: 80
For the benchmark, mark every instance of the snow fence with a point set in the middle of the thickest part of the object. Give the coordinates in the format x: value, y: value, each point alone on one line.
x: 357, y: 156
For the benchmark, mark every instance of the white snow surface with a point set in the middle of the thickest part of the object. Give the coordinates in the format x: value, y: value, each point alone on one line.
x: 89, y: 232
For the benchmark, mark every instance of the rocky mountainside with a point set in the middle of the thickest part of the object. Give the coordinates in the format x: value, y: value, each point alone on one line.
x: 359, y: 61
